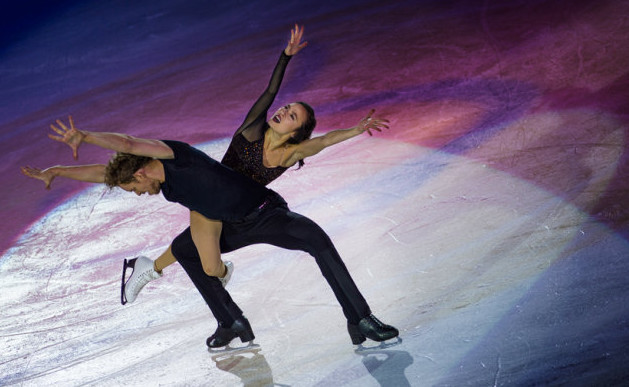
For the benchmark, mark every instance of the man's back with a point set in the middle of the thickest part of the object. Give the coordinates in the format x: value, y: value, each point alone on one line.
x: 202, y: 184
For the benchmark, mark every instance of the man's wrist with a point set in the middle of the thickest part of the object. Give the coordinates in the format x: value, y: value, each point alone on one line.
x: 54, y: 170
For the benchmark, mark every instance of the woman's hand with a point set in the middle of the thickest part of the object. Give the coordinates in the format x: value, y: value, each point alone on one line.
x: 46, y: 175
x: 295, y: 44
x: 367, y: 123
x: 70, y: 136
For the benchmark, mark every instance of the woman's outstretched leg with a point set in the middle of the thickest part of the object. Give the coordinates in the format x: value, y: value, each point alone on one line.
x: 277, y: 225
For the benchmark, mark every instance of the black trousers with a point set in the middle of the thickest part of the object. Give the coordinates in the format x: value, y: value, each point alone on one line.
x: 272, y: 224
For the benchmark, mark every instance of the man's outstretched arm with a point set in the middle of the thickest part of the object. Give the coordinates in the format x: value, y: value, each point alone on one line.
x: 94, y: 173
x: 118, y: 142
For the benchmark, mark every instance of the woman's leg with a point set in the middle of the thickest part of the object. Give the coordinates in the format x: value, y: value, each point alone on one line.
x: 278, y: 226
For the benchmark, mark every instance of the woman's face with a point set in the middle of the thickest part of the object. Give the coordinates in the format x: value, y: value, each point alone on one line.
x: 288, y: 118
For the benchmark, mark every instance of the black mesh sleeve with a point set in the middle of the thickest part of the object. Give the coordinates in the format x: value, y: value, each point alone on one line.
x: 256, y: 118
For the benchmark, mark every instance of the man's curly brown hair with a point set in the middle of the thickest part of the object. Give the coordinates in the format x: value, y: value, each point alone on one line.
x: 121, y: 168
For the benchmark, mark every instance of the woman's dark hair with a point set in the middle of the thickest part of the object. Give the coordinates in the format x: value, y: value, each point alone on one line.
x: 121, y: 168
x: 305, y: 130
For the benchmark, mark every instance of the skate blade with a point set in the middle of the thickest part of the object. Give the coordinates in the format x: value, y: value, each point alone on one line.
x: 251, y: 347
x: 126, y: 264
x: 378, y: 346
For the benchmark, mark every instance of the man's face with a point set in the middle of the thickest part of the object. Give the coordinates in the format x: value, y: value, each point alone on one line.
x: 142, y: 185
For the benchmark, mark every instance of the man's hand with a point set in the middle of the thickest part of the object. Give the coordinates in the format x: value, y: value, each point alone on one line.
x: 46, y: 175
x: 70, y: 136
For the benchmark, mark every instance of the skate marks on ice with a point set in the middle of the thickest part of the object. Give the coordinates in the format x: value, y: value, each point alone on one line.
x: 391, y: 363
x: 463, y: 246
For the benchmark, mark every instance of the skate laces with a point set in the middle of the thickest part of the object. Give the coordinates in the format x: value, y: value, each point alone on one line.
x: 144, y: 278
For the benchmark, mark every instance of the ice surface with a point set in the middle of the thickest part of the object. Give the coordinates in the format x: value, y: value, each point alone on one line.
x: 489, y: 224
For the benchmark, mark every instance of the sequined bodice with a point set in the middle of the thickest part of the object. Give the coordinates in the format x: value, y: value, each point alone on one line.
x: 246, y: 157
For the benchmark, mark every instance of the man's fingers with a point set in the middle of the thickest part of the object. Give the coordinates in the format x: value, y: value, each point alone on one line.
x: 60, y: 123
x: 57, y: 130
x: 56, y: 138
x: 29, y: 171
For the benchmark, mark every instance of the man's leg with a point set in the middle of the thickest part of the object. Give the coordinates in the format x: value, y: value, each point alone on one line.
x: 231, y: 322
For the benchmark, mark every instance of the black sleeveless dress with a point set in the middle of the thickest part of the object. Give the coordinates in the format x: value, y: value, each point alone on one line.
x: 246, y: 158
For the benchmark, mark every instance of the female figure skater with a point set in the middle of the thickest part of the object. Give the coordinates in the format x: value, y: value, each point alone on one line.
x: 262, y: 148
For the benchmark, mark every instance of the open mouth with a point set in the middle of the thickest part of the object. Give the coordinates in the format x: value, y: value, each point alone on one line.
x: 277, y: 118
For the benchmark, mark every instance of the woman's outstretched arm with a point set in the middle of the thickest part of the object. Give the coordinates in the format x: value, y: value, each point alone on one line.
x: 263, y: 103
x: 315, y: 145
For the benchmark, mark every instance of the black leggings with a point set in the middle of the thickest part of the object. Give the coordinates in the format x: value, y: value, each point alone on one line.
x: 274, y: 224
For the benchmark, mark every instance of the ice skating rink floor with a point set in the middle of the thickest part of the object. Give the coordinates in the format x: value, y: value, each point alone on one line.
x: 489, y: 224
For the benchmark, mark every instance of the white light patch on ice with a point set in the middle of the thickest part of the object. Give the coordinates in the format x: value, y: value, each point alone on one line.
x: 442, y: 253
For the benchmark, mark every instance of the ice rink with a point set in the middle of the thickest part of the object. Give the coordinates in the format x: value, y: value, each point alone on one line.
x: 490, y: 224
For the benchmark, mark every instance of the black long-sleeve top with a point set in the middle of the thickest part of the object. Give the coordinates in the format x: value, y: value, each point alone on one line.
x: 245, y: 151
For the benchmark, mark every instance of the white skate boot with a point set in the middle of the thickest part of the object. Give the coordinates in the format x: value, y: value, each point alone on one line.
x: 143, y: 273
x: 230, y: 270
